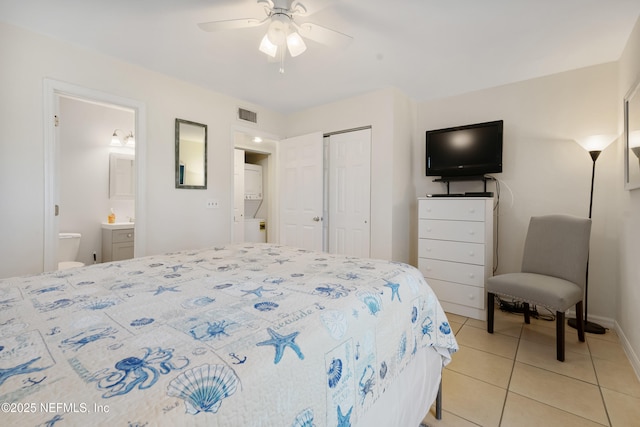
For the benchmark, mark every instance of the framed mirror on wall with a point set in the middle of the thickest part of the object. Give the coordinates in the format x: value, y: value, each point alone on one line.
x: 632, y: 138
x: 122, y: 176
x: 191, y: 155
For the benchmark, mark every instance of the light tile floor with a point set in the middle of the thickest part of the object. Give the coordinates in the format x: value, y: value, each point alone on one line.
x: 512, y: 378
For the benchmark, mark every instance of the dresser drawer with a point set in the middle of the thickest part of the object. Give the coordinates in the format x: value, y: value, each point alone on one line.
x: 467, y: 274
x: 457, y: 293
x: 461, y: 231
x: 460, y: 210
x: 470, y: 253
x: 122, y: 236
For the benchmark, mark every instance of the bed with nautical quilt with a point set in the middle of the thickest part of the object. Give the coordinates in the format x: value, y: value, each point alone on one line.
x: 242, y: 335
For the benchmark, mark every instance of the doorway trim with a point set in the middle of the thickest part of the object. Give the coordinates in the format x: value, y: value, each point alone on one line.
x: 52, y: 89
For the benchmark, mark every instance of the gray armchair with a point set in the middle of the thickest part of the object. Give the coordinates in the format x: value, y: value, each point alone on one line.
x: 553, y: 272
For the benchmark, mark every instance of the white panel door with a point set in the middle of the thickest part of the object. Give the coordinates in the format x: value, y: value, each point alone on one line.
x: 238, y: 196
x: 350, y: 193
x: 300, y: 191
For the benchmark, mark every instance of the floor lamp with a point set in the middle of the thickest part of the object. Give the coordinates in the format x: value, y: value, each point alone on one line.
x: 594, y: 145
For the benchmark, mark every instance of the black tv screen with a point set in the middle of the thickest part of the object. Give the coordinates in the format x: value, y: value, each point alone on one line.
x: 470, y: 150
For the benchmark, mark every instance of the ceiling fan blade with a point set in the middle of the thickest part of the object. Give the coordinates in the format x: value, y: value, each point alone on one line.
x: 323, y: 35
x: 230, y: 24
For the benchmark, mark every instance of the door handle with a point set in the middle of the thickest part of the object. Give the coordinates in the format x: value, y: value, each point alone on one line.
x: 316, y: 218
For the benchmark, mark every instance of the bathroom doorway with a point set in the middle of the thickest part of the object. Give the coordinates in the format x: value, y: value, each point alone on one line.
x: 92, y: 169
x: 77, y: 167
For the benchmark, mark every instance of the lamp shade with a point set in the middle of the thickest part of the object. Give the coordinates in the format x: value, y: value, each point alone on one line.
x: 278, y: 29
x: 115, y: 140
x: 295, y: 44
x: 130, y: 140
x: 596, y: 142
x: 267, y: 47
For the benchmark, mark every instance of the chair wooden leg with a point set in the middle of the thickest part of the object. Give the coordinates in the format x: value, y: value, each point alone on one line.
x: 490, y: 307
x: 560, y: 336
x: 527, y: 317
x: 580, y: 321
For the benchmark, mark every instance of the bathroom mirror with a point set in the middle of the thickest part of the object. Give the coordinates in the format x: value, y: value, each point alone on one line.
x: 632, y: 138
x: 191, y: 155
x: 121, y: 176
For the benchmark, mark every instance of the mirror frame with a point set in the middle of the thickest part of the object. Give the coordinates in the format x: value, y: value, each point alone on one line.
x: 179, y: 122
x: 632, y: 98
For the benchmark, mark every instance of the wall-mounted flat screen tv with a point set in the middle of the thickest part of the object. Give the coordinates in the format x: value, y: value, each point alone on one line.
x: 470, y: 150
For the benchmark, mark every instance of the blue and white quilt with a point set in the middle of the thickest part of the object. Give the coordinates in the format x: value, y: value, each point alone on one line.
x: 243, y: 335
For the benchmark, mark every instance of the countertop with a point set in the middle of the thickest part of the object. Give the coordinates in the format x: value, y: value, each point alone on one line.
x: 118, y: 225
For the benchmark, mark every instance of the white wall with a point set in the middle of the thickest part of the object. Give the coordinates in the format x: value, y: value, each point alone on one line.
x: 176, y: 219
x: 628, y: 292
x: 403, y: 186
x: 384, y: 111
x: 84, y: 136
x: 544, y: 170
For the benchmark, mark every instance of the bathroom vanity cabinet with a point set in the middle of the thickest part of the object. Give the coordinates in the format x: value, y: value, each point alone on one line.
x: 117, y: 242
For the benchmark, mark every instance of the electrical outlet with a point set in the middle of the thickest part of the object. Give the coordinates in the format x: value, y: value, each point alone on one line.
x: 213, y: 203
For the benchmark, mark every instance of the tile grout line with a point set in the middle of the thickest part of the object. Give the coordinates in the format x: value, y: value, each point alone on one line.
x: 595, y: 371
x: 513, y: 367
x: 444, y: 410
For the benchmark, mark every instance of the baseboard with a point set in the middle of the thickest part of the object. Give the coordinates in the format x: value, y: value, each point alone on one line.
x: 624, y: 342
x: 631, y: 355
x: 606, y: 322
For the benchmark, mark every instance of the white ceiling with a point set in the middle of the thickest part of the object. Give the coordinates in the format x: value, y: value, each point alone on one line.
x: 426, y: 48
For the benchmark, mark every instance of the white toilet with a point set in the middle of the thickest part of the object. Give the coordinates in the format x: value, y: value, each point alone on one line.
x: 68, y: 245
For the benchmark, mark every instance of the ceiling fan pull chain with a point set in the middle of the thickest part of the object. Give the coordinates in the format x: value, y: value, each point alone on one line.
x: 281, y: 49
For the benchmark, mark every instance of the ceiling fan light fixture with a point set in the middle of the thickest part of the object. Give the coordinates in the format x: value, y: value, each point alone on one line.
x: 278, y: 29
x: 295, y: 44
x: 267, y: 47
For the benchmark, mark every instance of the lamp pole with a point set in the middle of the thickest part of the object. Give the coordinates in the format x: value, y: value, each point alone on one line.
x: 591, y: 327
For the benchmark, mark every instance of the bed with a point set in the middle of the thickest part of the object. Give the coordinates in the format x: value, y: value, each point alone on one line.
x: 241, y: 335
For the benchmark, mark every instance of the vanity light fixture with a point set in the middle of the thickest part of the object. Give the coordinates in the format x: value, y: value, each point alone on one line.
x: 117, y: 141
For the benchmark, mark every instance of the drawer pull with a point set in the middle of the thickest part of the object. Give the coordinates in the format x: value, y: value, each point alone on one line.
x: 471, y: 232
x: 472, y: 210
x: 471, y: 297
x: 129, y: 235
x: 471, y: 253
x: 471, y: 275
x: 428, y: 229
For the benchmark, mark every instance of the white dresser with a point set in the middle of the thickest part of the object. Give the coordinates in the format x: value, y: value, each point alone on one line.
x: 455, y: 250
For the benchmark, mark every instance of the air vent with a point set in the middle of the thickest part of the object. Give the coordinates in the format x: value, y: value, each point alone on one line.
x: 248, y: 116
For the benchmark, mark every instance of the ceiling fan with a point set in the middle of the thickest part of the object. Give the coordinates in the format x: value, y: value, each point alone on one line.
x: 283, y: 32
